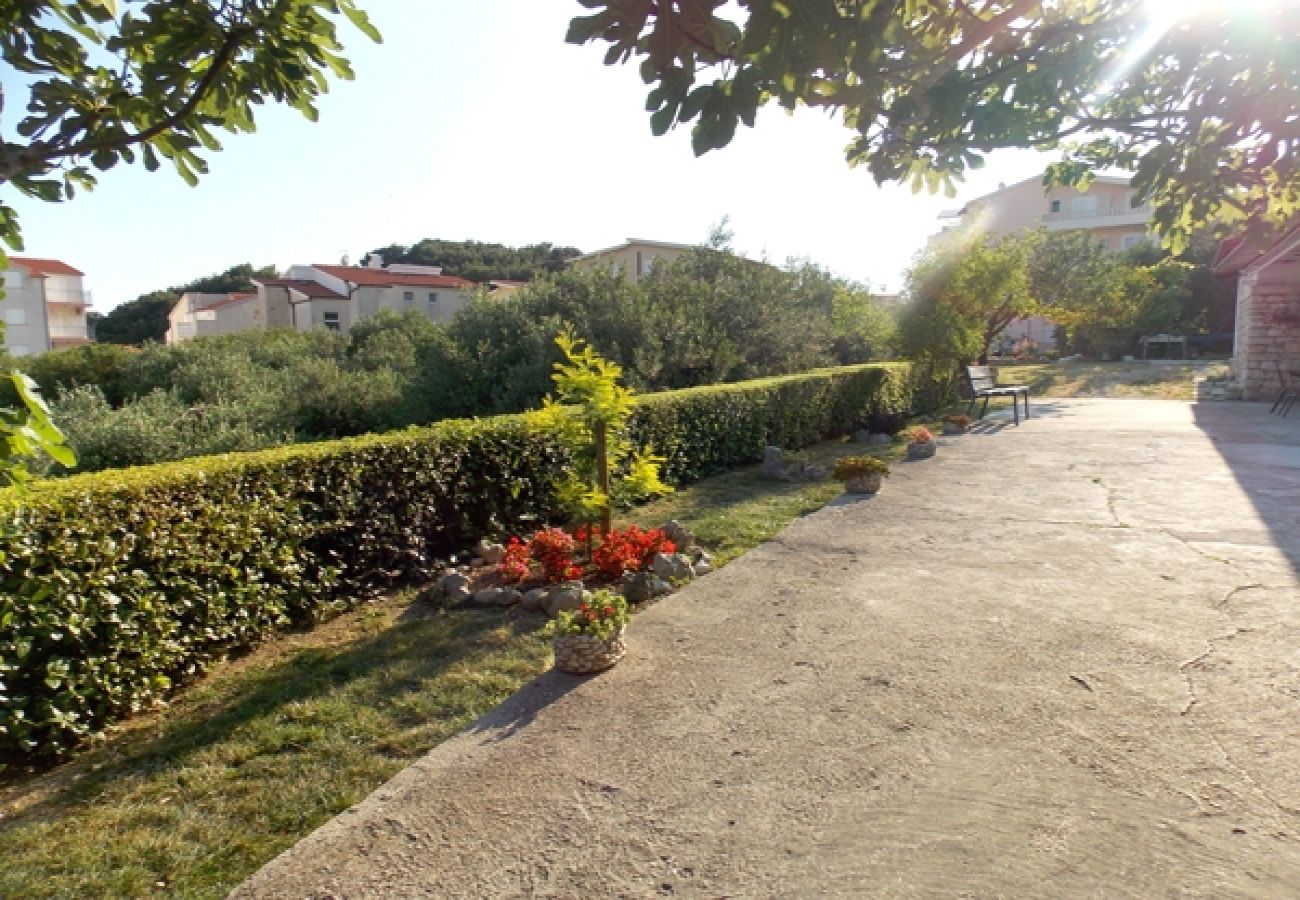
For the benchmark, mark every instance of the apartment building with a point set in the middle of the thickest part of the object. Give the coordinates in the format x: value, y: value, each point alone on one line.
x: 634, y: 259
x: 1106, y: 210
x: 199, y: 314
x: 44, y: 306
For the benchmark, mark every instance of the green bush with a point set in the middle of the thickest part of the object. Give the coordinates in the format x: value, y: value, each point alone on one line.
x: 705, y: 430
x: 116, y: 586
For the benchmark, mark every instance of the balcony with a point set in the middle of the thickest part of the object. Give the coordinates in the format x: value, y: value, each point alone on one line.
x: 1098, y: 218
x: 67, y: 329
x: 66, y: 297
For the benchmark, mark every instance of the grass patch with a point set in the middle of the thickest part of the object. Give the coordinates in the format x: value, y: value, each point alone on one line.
x: 191, y: 799
x: 733, y: 512
x: 1161, y: 381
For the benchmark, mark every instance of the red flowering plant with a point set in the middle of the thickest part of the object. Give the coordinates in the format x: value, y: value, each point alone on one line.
x: 516, y: 563
x: 922, y: 435
x: 553, y: 549
x: 602, y: 614
x: 629, y: 550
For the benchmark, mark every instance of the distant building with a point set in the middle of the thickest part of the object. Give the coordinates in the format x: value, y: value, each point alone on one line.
x: 336, y: 297
x: 1105, y: 211
x: 200, y: 315
x: 44, y: 306
x: 634, y: 258
x: 322, y: 296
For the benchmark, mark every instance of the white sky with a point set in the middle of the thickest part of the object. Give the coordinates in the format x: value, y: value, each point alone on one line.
x: 474, y: 120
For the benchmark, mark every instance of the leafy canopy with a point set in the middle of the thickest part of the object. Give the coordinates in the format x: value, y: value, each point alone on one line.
x: 111, y: 83
x: 1198, y: 103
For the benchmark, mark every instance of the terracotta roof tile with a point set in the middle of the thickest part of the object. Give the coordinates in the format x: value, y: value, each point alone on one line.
x: 367, y: 277
x: 40, y: 266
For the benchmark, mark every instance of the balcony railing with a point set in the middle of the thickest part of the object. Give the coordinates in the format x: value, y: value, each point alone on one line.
x: 1142, y: 212
x: 68, y: 329
x: 66, y: 296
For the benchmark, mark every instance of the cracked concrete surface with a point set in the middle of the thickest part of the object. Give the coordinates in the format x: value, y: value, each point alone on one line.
x: 993, y: 679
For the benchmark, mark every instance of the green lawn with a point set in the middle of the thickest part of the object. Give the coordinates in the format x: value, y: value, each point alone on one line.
x: 1163, y: 381
x: 189, y: 800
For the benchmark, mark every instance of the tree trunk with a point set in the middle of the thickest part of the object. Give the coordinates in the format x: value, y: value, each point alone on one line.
x: 602, y: 475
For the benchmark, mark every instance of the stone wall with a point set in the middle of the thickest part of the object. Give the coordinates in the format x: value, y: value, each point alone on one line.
x: 1268, y: 333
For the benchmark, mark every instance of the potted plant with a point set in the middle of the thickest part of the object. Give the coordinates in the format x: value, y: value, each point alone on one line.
x: 590, y: 638
x: 861, y: 474
x: 922, y: 445
x: 956, y: 424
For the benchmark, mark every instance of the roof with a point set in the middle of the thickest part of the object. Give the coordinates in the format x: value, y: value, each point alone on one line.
x: 633, y: 242
x: 41, y: 267
x: 1237, y: 254
x: 312, y: 289
x: 206, y: 300
x: 367, y: 277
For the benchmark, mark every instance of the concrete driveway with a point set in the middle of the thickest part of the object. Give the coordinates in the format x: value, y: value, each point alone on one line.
x: 1059, y: 660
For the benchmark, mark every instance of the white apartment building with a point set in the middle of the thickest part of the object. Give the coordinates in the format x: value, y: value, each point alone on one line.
x: 1106, y: 211
x: 633, y: 259
x: 44, y: 306
x: 199, y: 314
x: 322, y: 296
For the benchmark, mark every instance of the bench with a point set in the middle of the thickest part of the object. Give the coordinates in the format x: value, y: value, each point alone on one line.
x: 982, y: 383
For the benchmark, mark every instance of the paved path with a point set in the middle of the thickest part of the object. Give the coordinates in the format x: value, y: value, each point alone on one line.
x: 1059, y: 660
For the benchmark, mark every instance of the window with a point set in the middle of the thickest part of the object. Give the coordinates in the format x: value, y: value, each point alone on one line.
x: 330, y: 320
x: 433, y: 297
x: 1085, y: 205
x: 19, y: 350
x: 15, y: 317
x: 1056, y: 206
x: 408, y: 298
x: 1132, y: 240
x: 13, y: 279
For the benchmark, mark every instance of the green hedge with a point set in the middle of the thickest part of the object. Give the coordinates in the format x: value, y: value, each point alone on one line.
x: 711, y: 429
x: 116, y: 586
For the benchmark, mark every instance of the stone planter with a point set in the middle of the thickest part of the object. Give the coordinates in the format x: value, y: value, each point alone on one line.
x: 584, y: 654
x: 953, y: 428
x: 864, y: 484
x: 921, y: 451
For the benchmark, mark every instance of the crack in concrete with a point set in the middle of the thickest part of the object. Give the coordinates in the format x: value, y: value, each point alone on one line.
x: 1210, y: 647
x: 1222, y: 604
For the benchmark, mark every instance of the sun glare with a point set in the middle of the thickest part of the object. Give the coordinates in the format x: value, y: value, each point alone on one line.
x: 1175, y: 10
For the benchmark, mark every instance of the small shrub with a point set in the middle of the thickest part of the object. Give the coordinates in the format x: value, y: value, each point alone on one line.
x: 516, y: 562
x: 629, y: 550
x: 601, y: 615
x: 922, y: 435
x: 553, y: 549
x: 958, y: 420
x: 850, y: 467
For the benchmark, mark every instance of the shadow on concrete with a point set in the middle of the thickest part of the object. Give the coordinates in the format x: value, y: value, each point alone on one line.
x: 1263, y: 453
x: 1000, y: 418
x: 522, y: 707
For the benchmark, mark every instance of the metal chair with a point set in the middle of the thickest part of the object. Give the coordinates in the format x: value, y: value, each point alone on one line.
x: 1286, y: 399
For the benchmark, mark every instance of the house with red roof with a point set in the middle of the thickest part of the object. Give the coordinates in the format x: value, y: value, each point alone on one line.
x: 44, y: 306
x: 322, y: 296
x: 198, y: 314
x: 337, y: 297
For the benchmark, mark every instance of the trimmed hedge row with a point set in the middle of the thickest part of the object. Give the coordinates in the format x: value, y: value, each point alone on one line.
x: 116, y: 586
x: 705, y: 430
